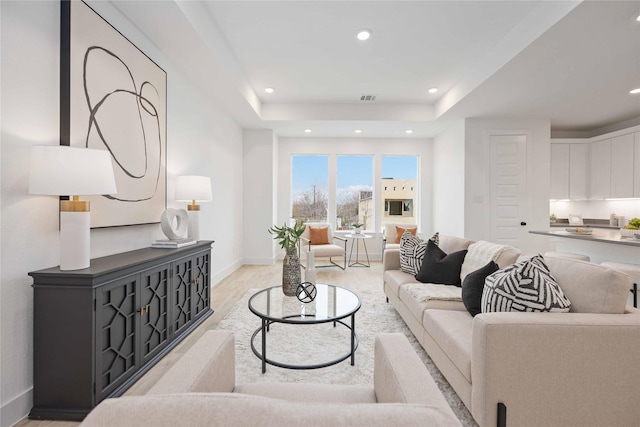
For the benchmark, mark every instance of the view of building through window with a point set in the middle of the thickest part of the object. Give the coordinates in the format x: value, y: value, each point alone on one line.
x: 354, y: 195
x: 399, y: 190
x: 309, y: 187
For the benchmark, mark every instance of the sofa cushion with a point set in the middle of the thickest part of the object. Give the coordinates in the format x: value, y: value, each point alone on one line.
x: 439, y: 267
x: 592, y: 288
x: 419, y: 297
x: 524, y: 286
x: 453, y: 244
x: 412, y: 250
x: 396, y: 278
x: 319, y: 235
x: 310, y: 392
x: 481, y: 252
x: 473, y: 286
x: 235, y: 409
x: 452, y: 331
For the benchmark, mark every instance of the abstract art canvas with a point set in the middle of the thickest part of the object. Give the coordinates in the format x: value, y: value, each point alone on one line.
x: 113, y: 97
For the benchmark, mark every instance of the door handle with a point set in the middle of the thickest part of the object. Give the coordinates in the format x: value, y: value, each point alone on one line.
x: 523, y: 223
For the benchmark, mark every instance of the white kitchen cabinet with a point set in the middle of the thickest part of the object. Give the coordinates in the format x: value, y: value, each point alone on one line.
x: 636, y: 167
x: 622, y: 167
x: 578, y: 176
x: 600, y: 170
x: 559, y: 171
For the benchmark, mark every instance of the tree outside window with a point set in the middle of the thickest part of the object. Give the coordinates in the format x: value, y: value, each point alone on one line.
x: 309, y: 188
x: 354, y: 195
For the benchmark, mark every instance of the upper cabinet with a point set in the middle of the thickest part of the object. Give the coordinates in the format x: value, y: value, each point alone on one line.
x: 578, y: 177
x: 600, y: 170
x: 569, y: 177
x: 636, y: 166
x: 622, y: 159
x: 559, y: 171
x: 602, y: 167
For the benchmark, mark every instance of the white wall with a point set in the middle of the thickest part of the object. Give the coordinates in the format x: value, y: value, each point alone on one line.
x: 258, y: 195
x: 201, y: 140
x: 448, y: 180
x: 477, y: 192
x: 377, y: 147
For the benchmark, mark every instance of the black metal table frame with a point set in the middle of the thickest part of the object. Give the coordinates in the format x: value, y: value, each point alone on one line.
x: 267, y: 321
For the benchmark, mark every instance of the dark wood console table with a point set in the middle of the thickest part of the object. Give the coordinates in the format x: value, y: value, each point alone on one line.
x: 99, y: 329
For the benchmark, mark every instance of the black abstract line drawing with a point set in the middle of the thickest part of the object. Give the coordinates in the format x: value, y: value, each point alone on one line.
x: 143, y: 105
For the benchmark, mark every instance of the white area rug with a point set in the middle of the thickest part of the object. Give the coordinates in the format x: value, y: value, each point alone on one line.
x: 307, y: 344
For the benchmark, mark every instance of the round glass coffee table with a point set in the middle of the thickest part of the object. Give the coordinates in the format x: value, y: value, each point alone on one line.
x: 331, y: 304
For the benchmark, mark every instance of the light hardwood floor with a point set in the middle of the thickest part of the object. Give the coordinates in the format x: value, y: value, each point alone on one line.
x: 224, y: 296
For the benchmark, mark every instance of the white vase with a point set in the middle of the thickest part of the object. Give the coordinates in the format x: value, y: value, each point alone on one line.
x: 310, y: 271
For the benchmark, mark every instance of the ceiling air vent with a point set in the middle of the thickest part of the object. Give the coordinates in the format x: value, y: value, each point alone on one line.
x: 368, y: 98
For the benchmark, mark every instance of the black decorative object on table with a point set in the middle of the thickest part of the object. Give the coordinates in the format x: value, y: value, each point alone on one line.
x: 306, y: 292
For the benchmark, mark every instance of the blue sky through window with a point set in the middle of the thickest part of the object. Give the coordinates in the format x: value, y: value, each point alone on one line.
x: 308, y: 170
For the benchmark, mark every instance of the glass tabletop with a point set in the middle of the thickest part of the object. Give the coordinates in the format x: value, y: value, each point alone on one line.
x: 331, y: 303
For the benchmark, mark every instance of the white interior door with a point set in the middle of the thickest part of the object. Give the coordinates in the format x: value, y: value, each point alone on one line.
x: 508, y: 182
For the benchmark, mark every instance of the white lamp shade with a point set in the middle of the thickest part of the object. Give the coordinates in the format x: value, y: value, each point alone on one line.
x: 70, y: 171
x: 193, y: 187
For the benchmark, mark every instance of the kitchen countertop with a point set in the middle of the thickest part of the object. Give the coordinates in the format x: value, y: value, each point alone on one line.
x: 599, y: 235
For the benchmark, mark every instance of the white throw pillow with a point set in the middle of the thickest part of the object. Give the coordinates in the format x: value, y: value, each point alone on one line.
x: 524, y: 286
x: 412, y: 250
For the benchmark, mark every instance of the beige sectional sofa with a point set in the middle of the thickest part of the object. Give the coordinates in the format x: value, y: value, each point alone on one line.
x: 200, y: 390
x: 549, y: 369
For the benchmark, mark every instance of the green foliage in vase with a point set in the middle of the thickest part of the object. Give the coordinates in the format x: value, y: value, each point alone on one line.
x: 287, y: 237
x: 357, y: 225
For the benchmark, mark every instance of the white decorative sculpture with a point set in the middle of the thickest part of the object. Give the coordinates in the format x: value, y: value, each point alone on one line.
x: 177, y: 231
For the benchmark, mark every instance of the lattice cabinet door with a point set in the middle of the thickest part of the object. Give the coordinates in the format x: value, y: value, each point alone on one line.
x: 201, y: 294
x: 182, y: 295
x: 154, y: 304
x: 118, y: 324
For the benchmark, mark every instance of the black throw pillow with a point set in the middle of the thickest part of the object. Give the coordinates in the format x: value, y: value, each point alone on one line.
x: 473, y: 286
x: 439, y: 267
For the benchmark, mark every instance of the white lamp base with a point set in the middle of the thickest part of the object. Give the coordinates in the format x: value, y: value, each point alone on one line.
x: 194, y: 224
x: 74, y: 240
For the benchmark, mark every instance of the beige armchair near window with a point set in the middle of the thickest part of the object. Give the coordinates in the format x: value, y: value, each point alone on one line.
x: 390, y: 235
x: 323, y: 244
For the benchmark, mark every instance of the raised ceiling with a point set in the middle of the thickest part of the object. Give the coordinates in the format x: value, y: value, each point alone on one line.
x: 571, y: 62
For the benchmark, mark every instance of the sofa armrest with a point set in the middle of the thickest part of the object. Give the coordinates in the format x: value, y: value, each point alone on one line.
x: 399, y: 376
x: 391, y: 259
x: 556, y: 369
x: 208, y: 366
x: 342, y: 239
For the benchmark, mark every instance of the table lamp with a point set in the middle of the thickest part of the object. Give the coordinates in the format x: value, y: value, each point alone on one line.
x: 69, y: 171
x: 193, y: 188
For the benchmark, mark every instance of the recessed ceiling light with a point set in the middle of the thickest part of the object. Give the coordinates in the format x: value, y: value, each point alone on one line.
x: 358, y: 131
x: 269, y: 89
x: 408, y: 131
x: 634, y: 91
x: 307, y: 131
x: 363, y: 35
x: 638, y: 18
x: 433, y: 90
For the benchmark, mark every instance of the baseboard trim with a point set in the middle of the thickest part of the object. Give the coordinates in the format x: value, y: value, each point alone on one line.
x: 259, y: 261
x: 17, y: 408
x: 217, y: 278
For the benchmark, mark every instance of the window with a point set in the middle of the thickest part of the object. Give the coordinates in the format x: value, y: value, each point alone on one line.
x: 354, y: 195
x: 309, y: 181
x: 399, y: 197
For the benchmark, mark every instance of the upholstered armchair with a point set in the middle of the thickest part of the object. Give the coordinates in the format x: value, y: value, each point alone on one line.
x: 391, y: 236
x: 319, y: 238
